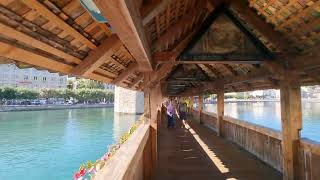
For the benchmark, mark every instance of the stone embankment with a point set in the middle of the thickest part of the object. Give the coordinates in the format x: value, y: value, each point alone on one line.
x: 7, y: 108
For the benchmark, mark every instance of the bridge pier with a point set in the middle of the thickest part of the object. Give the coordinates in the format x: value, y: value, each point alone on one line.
x: 128, y: 101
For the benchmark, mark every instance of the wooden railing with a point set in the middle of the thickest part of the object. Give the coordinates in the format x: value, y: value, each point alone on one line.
x: 129, y: 161
x: 264, y: 143
x: 309, y: 159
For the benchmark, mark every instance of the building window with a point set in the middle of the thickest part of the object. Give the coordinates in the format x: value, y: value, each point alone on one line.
x: 35, y: 78
x: 26, y: 77
x: 44, y: 78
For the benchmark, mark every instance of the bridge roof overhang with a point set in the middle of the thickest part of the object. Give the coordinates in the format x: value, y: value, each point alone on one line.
x: 190, y: 47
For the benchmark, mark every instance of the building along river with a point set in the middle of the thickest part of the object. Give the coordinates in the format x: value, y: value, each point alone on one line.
x: 52, y: 144
x: 268, y: 114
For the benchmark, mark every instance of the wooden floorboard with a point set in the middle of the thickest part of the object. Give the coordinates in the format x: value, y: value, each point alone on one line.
x: 192, y: 151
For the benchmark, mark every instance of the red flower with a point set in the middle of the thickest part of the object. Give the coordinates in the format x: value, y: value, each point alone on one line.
x: 79, y: 174
x: 82, y: 172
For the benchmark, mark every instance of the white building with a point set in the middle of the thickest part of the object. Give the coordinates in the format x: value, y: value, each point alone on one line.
x: 12, y: 76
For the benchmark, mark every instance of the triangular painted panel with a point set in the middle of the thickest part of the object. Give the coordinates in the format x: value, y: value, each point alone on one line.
x: 223, y: 39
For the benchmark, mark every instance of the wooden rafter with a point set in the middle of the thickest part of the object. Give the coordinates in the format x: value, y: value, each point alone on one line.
x: 126, y: 72
x: 14, y: 34
x: 223, y: 61
x: 175, y: 29
x: 229, y: 81
x: 125, y: 19
x: 18, y: 54
x: 168, y: 57
x: 230, y: 69
x: 136, y: 81
x: 213, y: 70
x: 96, y: 58
x: 153, y: 10
x: 250, y: 17
x: 42, y: 10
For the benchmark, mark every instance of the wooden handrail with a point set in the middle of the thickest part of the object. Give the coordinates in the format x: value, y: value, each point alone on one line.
x: 255, y: 127
x: 210, y: 114
x: 127, y: 156
x: 311, y: 145
x: 261, y: 129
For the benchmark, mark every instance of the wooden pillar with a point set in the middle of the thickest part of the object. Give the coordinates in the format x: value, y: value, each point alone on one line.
x: 291, y: 118
x: 220, y: 111
x: 200, y: 108
x: 152, y: 113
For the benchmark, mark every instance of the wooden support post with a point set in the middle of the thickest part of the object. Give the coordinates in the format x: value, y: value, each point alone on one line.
x: 220, y: 111
x: 200, y: 108
x: 152, y: 112
x: 291, y: 118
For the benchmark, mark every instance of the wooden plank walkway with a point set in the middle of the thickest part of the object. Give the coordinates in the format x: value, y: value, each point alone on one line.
x: 192, y: 151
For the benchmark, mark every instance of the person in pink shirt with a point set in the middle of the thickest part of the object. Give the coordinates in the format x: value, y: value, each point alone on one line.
x: 170, y: 114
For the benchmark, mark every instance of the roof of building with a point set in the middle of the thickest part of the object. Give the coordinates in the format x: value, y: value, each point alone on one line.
x: 190, y: 46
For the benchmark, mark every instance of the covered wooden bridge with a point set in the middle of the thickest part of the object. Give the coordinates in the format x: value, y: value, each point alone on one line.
x: 182, y: 48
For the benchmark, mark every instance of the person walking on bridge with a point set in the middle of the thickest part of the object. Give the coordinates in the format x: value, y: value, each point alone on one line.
x: 170, y: 114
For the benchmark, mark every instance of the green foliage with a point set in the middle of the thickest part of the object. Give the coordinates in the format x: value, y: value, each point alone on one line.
x: 83, y: 95
x: 51, y: 93
x: 26, y: 94
x: 8, y: 93
x: 93, y: 95
x: 89, y: 84
x: 70, y: 84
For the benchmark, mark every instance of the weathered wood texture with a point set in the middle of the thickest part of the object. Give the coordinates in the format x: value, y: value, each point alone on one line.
x: 210, y: 120
x: 128, y: 162
x: 309, y: 159
x: 153, y: 111
x: 262, y: 142
x: 291, y: 120
x: 220, y: 110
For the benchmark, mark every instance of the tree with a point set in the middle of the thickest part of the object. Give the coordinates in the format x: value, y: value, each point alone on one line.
x: 9, y: 93
x: 89, y: 84
x: 26, y: 94
x: 70, y: 84
x: 51, y: 93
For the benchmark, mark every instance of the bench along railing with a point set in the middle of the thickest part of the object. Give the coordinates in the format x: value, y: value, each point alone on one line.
x: 264, y: 143
x: 128, y: 162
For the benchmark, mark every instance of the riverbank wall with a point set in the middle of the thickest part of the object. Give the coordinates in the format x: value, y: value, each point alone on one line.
x: 259, y: 100
x: 9, y: 108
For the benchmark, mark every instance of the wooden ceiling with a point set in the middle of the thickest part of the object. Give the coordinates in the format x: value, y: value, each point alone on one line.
x: 150, y: 35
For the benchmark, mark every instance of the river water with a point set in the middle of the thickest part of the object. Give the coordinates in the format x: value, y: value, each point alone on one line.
x: 268, y: 114
x: 51, y: 145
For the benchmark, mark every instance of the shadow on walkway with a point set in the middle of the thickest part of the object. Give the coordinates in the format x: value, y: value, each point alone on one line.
x: 192, y: 151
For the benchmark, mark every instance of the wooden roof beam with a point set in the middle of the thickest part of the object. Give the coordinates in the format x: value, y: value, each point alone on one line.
x: 45, y: 12
x: 21, y: 55
x: 151, y: 10
x: 247, y: 15
x: 14, y: 34
x: 96, y: 58
x: 309, y: 59
x: 125, y: 19
x: 136, y: 81
x: 175, y: 29
x: 211, y: 86
x: 213, y: 70
x: 125, y: 73
x: 230, y: 69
